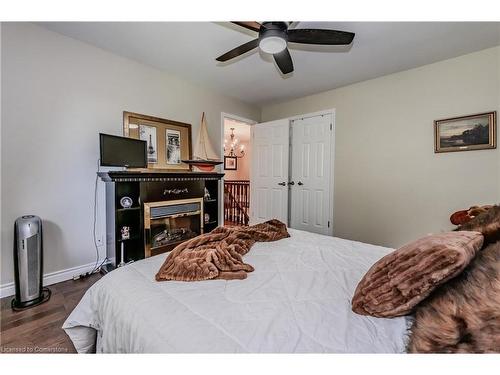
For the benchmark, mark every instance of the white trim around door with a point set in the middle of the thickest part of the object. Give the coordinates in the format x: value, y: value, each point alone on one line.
x: 223, y: 116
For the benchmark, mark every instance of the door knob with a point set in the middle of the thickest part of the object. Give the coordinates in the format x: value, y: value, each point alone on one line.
x: 291, y: 183
x: 300, y: 183
x: 282, y: 183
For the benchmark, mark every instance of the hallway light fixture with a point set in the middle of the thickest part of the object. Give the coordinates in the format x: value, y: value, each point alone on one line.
x: 232, y: 144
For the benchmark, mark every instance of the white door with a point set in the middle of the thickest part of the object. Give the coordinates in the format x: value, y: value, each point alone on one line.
x: 310, y: 174
x: 269, y: 171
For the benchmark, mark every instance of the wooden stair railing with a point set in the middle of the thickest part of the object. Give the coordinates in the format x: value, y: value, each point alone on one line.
x: 236, y: 201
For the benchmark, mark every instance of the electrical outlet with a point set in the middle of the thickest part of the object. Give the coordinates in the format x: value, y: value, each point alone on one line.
x: 99, y: 240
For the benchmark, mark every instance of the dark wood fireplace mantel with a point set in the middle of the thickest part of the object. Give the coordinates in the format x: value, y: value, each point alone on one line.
x: 149, y: 176
x: 146, y: 189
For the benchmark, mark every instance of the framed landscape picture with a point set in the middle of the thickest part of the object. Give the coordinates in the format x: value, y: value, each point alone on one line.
x: 168, y: 142
x: 465, y: 133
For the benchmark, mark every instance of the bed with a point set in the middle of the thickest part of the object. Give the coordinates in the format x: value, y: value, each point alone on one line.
x: 298, y: 300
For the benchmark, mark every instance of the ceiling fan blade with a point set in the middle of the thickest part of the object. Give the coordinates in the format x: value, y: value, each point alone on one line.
x: 250, y: 25
x: 240, y: 50
x: 284, y: 61
x: 320, y: 36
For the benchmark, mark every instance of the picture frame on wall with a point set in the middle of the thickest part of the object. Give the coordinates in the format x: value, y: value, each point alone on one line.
x: 168, y: 141
x: 465, y: 133
x: 230, y: 163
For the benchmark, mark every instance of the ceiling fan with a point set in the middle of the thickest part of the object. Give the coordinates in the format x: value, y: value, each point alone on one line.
x: 275, y: 36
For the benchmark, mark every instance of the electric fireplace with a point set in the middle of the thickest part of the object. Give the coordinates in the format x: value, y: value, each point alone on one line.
x: 159, y: 210
x: 168, y: 223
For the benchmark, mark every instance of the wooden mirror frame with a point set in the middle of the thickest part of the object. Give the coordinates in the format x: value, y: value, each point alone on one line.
x: 161, y: 125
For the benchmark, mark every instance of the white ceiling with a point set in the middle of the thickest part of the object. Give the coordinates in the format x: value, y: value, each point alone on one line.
x: 189, y: 49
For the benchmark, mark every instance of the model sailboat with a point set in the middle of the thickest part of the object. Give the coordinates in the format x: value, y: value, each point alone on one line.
x: 204, y: 156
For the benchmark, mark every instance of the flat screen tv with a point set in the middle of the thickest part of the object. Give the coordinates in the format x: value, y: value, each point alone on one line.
x: 122, y: 152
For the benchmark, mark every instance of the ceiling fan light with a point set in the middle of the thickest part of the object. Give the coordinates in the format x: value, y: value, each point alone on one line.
x: 272, y: 44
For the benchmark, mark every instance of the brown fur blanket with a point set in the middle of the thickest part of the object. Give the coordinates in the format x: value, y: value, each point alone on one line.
x: 463, y: 315
x: 218, y: 254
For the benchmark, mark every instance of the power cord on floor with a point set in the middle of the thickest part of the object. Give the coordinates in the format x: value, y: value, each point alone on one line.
x: 95, y: 217
x: 97, y: 266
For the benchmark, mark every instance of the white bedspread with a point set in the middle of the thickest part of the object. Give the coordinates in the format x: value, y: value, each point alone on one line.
x: 296, y: 300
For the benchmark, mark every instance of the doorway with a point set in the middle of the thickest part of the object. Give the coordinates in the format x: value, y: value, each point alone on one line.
x: 237, y: 154
x: 292, y: 172
x: 311, y: 162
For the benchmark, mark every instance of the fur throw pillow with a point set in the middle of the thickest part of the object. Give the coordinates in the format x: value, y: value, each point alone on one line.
x: 399, y: 281
x: 488, y: 223
x: 463, y: 315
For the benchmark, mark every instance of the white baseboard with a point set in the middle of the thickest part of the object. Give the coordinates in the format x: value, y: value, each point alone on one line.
x: 8, y: 289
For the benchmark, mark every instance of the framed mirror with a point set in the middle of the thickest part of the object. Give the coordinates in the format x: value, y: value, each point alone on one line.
x: 168, y: 142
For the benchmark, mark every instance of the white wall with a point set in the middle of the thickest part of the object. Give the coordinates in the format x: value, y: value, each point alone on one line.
x: 57, y: 95
x: 390, y: 187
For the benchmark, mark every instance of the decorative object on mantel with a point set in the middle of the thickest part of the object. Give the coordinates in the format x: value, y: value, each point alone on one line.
x: 206, y: 196
x: 126, y: 202
x: 465, y: 133
x: 168, y: 141
x: 125, y: 231
x: 205, y: 158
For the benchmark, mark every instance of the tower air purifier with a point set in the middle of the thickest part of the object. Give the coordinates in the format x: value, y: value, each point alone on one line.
x: 28, y: 263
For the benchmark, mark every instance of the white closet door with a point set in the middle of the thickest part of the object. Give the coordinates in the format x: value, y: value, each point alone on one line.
x: 310, y: 172
x: 269, y: 171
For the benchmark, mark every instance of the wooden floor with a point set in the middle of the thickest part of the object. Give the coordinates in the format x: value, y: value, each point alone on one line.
x: 38, y: 329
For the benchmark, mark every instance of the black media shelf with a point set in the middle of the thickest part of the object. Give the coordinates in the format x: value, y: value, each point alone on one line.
x: 127, y: 209
x: 151, y: 186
